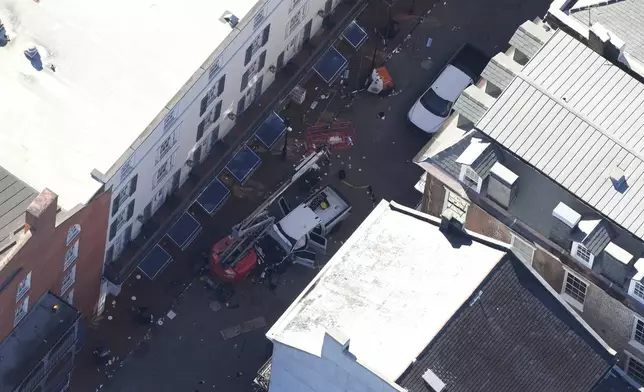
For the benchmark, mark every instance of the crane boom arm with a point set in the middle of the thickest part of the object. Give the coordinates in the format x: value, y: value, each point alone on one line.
x: 307, y: 163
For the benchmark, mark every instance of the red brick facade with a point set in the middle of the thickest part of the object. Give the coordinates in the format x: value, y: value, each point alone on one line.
x: 41, y: 250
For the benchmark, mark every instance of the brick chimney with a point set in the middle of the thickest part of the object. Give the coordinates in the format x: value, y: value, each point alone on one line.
x: 41, y: 213
x: 605, y: 43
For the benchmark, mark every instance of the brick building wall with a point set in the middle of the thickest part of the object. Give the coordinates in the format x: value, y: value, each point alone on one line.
x: 611, y: 319
x: 40, y: 254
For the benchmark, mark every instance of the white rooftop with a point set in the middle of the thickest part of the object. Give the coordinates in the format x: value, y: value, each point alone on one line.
x: 390, y: 289
x: 118, y: 63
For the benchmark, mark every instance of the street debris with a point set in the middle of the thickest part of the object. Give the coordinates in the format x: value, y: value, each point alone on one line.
x: 134, y: 298
x: 171, y: 315
x: 381, y: 115
x: 109, y: 318
x: 429, y: 42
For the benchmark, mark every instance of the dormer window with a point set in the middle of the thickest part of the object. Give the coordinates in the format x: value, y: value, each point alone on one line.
x: 580, y: 253
x: 470, y: 178
x: 636, y: 287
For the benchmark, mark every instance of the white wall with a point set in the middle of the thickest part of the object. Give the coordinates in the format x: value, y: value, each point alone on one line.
x: 293, y: 370
x: 184, y: 117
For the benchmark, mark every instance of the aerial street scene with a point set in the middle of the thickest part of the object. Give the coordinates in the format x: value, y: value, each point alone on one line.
x: 322, y: 196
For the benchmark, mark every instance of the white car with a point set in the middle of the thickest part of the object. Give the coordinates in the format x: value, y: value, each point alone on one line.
x: 435, y: 105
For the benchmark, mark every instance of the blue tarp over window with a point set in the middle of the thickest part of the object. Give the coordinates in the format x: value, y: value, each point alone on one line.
x: 243, y: 164
x: 184, y: 231
x: 154, y: 262
x: 270, y: 130
x: 354, y: 35
x: 330, y: 65
x: 213, y: 196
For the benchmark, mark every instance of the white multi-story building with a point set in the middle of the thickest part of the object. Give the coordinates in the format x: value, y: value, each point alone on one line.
x: 129, y: 96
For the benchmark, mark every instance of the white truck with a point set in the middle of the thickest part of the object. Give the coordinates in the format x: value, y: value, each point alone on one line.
x: 299, y: 236
x: 432, y: 109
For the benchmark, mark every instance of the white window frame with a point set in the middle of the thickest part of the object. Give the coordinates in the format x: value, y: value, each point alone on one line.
x: 450, y: 205
x: 637, y: 344
x: 165, y: 147
x: 514, y: 238
x: 21, y: 311
x: 296, y: 19
x: 164, y: 169
x: 630, y: 357
x: 572, y: 301
x: 577, y: 250
x: 469, y: 174
x: 635, y: 287
x: 68, y: 279
x: 69, y: 296
x: 71, y: 255
x: 72, y: 233
x: 23, y: 287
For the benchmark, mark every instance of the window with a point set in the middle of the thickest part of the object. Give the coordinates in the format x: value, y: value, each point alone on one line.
x: 130, y: 211
x: 297, y: 19
x: 21, y: 311
x: 637, y: 290
x: 72, y: 233
x: 69, y: 279
x: 435, y: 104
x: 574, y: 290
x: 456, y: 205
x: 213, y: 93
x: 294, y: 3
x: 522, y: 249
x: 121, y: 219
x: 241, y: 105
x: 253, y: 70
x: 23, y: 287
x: 470, y: 178
x: 257, y: 44
x: 635, y: 370
x: 132, y: 187
x: 110, y: 254
x: 211, y: 118
x: 70, y: 297
x: 163, y: 170
x: 582, y: 254
x: 124, y: 193
x: 244, y: 81
x: 71, y: 255
x: 166, y: 146
x: 638, y: 333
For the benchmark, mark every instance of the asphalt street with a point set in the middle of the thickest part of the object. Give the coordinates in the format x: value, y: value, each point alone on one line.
x: 189, y: 352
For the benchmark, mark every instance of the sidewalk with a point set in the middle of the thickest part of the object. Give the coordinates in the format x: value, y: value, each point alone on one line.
x: 120, y: 333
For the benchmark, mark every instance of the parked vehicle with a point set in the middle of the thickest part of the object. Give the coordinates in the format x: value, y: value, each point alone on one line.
x: 296, y: 238
x: 435, y: 105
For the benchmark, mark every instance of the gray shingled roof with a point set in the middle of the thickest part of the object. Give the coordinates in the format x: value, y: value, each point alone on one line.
x: 473, y: 103
x: 500, y: 70
x: 624, y: 18
x: 512, y: 335
x: 573, y: 115
x: 597, y: 239
x: 15, y: 197
x: 529, y: 38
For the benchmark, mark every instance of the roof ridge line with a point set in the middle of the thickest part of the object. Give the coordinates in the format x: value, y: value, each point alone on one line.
x: 577, y: 113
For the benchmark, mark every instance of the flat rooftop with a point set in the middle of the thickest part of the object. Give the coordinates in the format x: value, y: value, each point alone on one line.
x: 117, y: 64
x: 390, y: 289
x: 575, y: 117
x: 32, y: 338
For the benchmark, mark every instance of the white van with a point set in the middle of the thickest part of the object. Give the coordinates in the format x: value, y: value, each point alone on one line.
x: 435, y: 105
